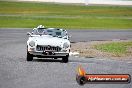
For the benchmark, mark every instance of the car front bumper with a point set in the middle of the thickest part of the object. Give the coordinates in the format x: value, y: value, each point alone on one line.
x: 48, y: 54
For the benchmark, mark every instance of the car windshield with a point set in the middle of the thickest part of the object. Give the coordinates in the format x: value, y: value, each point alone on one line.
x: 50, y: 31
x: 39, y: 31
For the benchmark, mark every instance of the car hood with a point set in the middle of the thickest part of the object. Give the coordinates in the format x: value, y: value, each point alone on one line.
x: 48, y: 40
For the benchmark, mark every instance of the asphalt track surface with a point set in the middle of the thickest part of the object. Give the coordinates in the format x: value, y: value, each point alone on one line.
x: 16, y: 72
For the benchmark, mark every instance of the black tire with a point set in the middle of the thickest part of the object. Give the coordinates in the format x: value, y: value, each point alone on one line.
x: 65, y: 59
x: 29, y: 56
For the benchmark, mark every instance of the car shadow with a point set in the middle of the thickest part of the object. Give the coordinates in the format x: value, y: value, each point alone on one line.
x: 47, y: 60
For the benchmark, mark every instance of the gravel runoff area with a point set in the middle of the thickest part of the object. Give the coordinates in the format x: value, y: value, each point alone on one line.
x: 87, y: 49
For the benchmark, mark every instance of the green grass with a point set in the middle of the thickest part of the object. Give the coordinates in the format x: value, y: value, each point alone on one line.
x: 25, y: 14
x: 117, y: 48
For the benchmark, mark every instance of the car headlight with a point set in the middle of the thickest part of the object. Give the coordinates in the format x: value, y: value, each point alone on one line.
x: 65, y: 45
x: 32, y: 43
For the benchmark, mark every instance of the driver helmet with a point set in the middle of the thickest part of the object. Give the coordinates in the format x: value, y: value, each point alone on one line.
x: 41, y: 30
x: 40, y: 26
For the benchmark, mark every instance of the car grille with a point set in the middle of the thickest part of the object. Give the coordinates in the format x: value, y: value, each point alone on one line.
x: 48, y: 48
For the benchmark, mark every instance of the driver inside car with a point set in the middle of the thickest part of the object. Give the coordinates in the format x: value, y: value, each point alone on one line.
x: 40, y: 30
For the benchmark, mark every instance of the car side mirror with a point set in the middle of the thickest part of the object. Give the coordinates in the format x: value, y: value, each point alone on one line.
x: 28, y: 33
x: 65, y: 37
x: 69, y: 36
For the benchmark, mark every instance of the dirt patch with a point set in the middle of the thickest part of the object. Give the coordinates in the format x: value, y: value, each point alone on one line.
x: 87, y: 49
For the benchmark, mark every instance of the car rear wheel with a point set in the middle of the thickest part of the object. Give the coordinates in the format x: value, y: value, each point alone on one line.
x: 65, y: 59
x: 29, y: 56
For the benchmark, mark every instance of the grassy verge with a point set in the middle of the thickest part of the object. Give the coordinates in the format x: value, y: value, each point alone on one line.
x: 79, y: 23
x: 25, y: 14
x: 116, y: 48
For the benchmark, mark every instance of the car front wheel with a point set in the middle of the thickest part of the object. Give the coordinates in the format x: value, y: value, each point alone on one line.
x: 29, y: 56
x: 65, y: 59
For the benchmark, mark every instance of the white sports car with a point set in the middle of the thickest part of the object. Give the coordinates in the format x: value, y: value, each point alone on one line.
x: 48, y: 43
